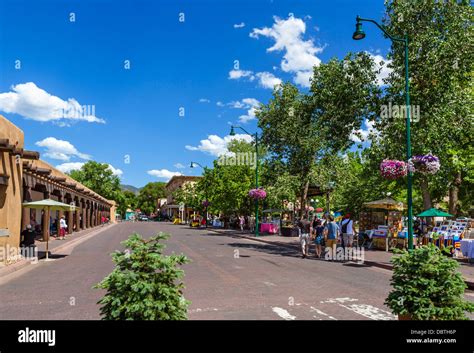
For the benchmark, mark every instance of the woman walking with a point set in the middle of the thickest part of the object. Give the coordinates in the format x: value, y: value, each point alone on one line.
x: 319, y: 237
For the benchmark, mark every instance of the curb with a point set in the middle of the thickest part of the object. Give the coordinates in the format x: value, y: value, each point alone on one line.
x: 469, y: 283
x: 19, y: 265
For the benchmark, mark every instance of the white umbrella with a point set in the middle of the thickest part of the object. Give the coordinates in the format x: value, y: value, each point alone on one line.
x: 49, y: 205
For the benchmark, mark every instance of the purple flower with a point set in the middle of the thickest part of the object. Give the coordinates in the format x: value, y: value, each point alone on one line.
x: 426, y: 164
x: 393, y: 169
x: 205, y: 203
x: 257, y: 193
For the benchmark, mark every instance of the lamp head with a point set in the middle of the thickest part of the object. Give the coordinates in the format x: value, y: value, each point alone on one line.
x: 359, y: 32
x: 191, y: 165
x: 232, y: 132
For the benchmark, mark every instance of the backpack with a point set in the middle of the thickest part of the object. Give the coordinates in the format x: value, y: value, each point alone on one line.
x: 344, y: 226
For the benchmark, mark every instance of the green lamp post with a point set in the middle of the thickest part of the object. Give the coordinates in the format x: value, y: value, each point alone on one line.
x: 232, y: 133
x: 358, y: 35
x: 193, y: 165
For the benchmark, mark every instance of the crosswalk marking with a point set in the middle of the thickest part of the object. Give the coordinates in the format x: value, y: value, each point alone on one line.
x: 284, y: 314
x: 321, y: 313
x: 369, y: 311
x: 366, y: 310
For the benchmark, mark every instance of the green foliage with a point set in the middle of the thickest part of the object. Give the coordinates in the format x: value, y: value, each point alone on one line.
x: 128, y: 200
x: 99, y: 178
x: 441, y: 60
x: 145, y: 284
x: 427, y: 286
x: 148, y: 196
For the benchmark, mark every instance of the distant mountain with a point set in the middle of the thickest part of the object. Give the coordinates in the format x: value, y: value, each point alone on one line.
x: 131, y: 188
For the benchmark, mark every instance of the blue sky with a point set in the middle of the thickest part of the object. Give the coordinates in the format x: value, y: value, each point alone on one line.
x: 165, y: 78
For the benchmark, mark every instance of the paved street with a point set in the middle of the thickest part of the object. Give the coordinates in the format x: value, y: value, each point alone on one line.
x: 228, y: 278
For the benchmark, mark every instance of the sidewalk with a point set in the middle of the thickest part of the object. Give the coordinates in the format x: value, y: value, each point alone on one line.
x: 376, y: 258
x: 55, y: 247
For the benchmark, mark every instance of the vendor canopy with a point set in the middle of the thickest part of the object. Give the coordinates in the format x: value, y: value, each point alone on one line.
x: 386, y: 204
x: 433, y: 212
x: 50, y: 204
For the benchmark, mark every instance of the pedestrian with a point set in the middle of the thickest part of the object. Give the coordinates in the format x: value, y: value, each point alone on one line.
x: 330, y: 236
x: 242, y: 222
x: 318, y: 237
x: 348, y: 231
x: 304, y: 232
x: 27, y: 236
x: 62, y: 228
x: 252, y: 223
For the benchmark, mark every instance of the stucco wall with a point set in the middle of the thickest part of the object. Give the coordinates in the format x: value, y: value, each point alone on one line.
x: 11, y: 195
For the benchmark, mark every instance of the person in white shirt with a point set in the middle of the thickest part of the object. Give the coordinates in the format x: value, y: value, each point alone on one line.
x: 348, y: 231
x: 62, y: 228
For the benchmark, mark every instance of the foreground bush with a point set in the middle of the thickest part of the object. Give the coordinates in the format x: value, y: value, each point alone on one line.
x: 145, y: 284
x: 427, y: 286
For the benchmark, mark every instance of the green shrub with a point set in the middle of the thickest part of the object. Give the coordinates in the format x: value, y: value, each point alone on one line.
x: 427, y: 286
x: 145, y: 284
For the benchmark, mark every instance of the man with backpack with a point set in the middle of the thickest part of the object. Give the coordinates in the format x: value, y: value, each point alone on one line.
x: 348, y: 231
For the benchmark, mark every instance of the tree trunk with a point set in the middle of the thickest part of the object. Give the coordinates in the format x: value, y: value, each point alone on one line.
x: 454, y: 194
x: 304, y: 196
x: 427, y: 203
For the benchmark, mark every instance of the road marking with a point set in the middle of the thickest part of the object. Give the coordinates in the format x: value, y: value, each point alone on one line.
x: 370, y: 311
x: 321, y: 313
x: 270, y: 284
x: 339, y: 300
x: 283, y: 313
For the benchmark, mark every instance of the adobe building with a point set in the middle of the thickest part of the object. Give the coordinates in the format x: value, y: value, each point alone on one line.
x: 24, y: 178
x: 170, y: 207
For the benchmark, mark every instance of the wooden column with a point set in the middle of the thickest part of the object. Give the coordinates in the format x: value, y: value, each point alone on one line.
x: 26, y: 212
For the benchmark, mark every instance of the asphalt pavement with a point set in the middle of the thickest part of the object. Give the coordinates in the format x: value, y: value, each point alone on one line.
x: 229, y: 278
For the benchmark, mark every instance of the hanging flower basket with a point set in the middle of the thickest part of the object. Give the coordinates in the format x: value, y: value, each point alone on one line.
x: 205, y: 203
x: 257, y: 194
x: 393, y: 169
x: 425, y: 164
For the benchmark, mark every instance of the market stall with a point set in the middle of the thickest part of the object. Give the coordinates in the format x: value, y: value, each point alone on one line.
x: 271, y: 221
x: 382, y: 222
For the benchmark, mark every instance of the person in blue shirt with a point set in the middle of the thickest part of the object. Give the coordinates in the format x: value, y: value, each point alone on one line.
x: 331, y: 233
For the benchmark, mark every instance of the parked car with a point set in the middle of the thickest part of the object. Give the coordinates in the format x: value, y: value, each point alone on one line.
x: 143, y: 218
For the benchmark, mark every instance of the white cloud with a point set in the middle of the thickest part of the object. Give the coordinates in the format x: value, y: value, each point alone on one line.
x: 239, y: 25
x: 179, y: 166
x: 362, y: 135
x: 60, y: 149
x: 382, y: 63
x: 220, y: 104
x: 67, y: 167
x: 251, y: 104
x: 204, y: 100
x: 268, y: 80
x: 238, y: 74
x: 32, y: 102
x: 236, y: 104
x: 163, y: 173
x: 299, y: 54
x: 115, y: 171
x: 216, y: 145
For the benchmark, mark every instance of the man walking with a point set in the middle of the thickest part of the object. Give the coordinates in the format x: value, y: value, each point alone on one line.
x: 348, y: 231
x: 305, y: 229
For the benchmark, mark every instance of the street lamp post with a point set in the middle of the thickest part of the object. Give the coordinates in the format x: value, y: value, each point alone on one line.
x: 232, y: 133
x: 192, y: 165
x: 358, y: 35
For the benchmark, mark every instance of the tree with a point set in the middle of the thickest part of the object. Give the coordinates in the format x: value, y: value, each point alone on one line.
x: 145, y: 284
x: 300, y: 129
x: 148, y: 196
x: 441, y: 73
x: 99, y: 178
x: 229, y: 182
x: 128, y: 200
